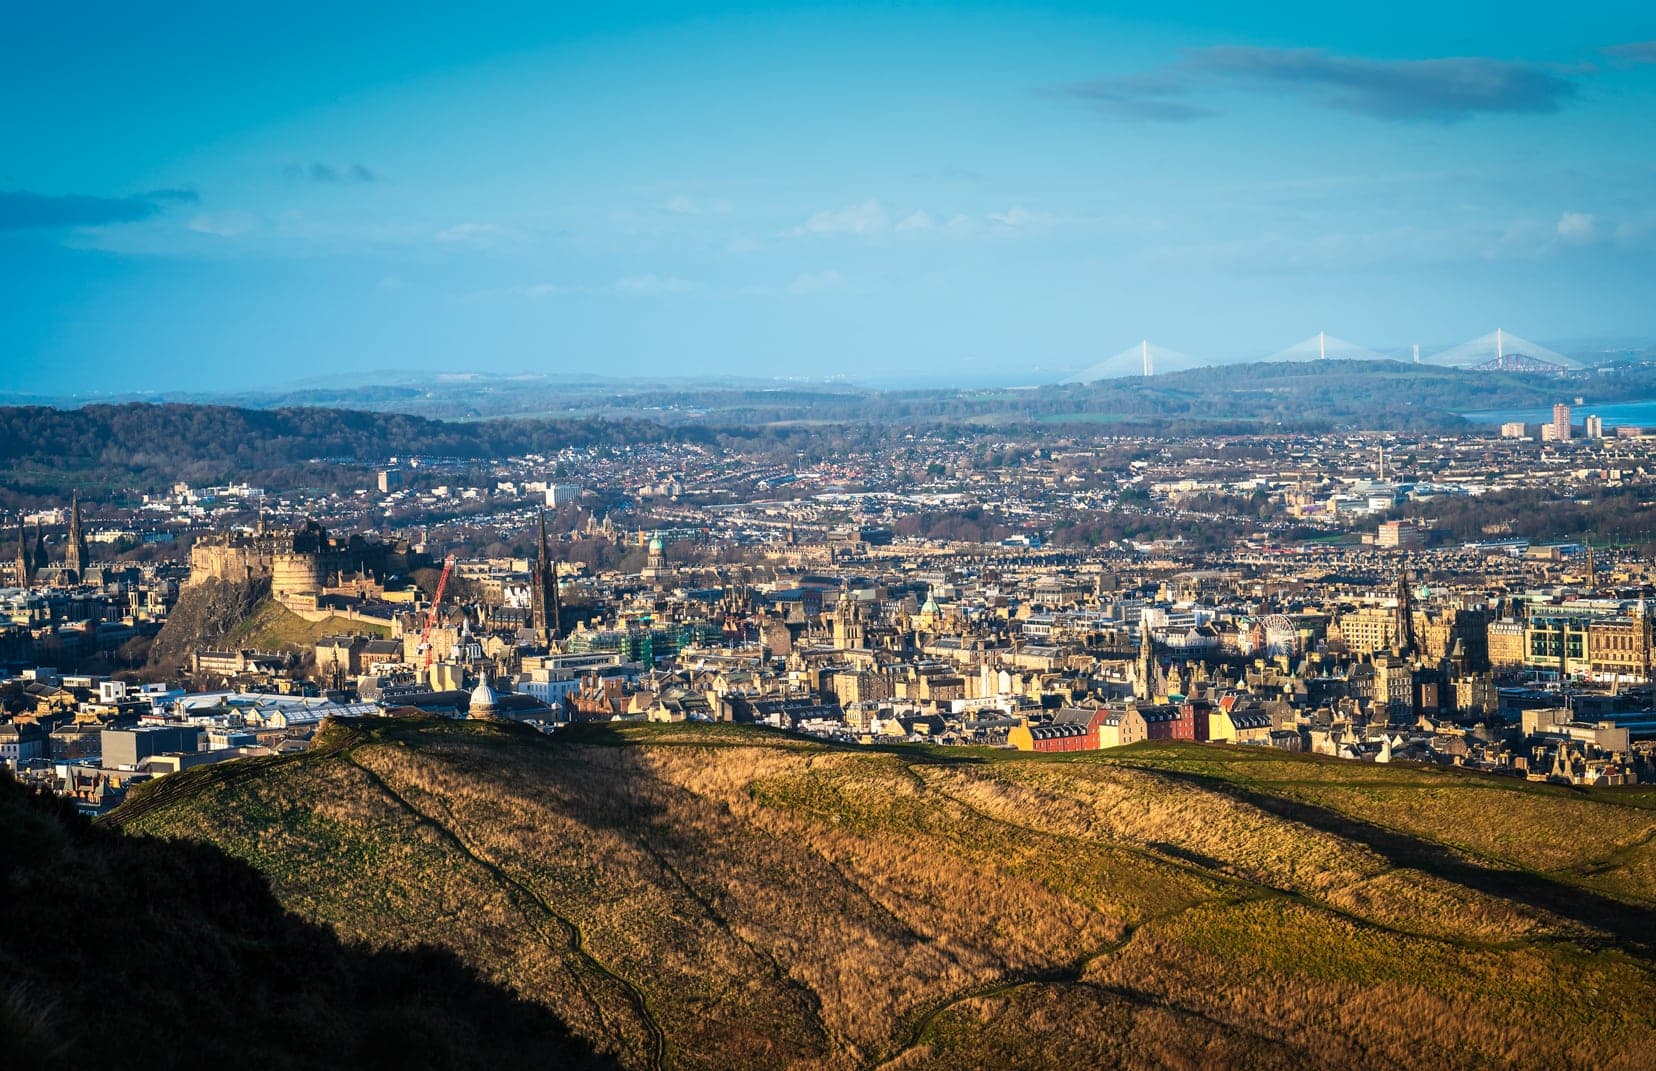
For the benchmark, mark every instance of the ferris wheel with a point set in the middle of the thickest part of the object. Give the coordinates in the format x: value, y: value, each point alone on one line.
x: 1272, y: 635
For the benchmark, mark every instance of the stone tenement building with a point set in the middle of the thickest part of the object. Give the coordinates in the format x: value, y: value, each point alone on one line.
x: 299, y: 563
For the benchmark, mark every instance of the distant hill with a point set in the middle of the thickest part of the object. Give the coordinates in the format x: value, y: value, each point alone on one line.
x: 126, y: 951
x: 718, y: 897
x: 101, y: 447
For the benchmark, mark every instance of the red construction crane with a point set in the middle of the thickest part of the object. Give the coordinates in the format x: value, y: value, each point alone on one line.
x: 431, y: 617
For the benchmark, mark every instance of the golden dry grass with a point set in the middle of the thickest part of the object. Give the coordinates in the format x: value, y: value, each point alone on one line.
x: 713, y: 897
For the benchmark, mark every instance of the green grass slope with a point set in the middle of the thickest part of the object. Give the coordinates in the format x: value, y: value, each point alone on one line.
x: 273, y: 627
x: 716, y: 897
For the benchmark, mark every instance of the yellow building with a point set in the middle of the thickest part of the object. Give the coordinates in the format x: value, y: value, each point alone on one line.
x: 1619, y: 648
x: 1506, y: 644
x: 1248, y: 726
x: 1367, y: 630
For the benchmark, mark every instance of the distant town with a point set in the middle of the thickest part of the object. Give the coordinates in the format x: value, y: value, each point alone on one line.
x: 1338, y: 594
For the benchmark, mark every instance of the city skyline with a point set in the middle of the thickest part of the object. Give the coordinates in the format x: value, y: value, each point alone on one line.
x: 789, y: 191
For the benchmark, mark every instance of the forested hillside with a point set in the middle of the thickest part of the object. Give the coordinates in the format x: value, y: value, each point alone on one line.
x: 156, y: 445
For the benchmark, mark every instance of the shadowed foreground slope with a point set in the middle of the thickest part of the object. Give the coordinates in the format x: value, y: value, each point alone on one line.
x: 713, y: 897
x: 122, y: 951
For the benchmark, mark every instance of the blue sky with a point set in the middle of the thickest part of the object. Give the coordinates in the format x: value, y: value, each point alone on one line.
x: 192, y: 197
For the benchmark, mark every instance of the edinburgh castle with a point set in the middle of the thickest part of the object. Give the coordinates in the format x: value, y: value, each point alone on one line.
x: 298, y: 563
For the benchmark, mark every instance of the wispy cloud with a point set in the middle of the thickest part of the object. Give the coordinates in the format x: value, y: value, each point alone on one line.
x: 647, y: 285
x: 1439, y: 90
x: 1577, y: 228
x: 872, y: 219
x: 651, y: 285
x: 683, y: 205
x: 1019, y: 216
x: 330, y: 174
x: 869, y: 217
x: 480, y: 235
x: 1141, y: 98
x: 223, y: 224
x: 1633, y: 54
x: 654, y: 285
x: 21, y: 210
x: 816, y: 283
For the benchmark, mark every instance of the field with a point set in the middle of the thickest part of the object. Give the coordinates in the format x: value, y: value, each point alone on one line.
x: 720, y: 897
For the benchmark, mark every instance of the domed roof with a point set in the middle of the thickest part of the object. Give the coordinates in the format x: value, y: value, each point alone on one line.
x: 484, y: 699
x: 655, y: 543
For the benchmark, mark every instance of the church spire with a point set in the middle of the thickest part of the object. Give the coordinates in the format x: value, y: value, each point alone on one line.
x: 40, y: 560
x: 74, y: 555
x: 543, y: 587
x: 25, y: 563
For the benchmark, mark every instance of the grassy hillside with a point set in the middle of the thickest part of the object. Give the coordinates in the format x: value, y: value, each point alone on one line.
x: 273, y: 627
x: 132, y: 952
x: 714, y: 897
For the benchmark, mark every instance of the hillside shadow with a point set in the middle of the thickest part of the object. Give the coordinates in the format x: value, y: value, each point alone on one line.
x: 1632, y: 926
x: 175, y: 954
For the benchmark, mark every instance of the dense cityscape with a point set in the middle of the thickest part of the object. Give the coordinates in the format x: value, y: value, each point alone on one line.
x: 1284, y: 591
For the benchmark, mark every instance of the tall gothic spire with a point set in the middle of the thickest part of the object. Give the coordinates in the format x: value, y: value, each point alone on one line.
x: 74, y: 555
x: 25, y: 561
x: 543, y: 588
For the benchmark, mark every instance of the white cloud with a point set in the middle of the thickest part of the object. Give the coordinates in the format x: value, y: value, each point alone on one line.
x: 543, y: 290
x: 480, y: 235
x: 651, y: 285
x: 1577, y: 228
x: 223, y: 224
x: 815, y: 282
x: 682, y: 205
x: 871, y: 218
x: 1019, y: 216
x: 742, y: 245
x: 866, y: 218
x: 647, y: 285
